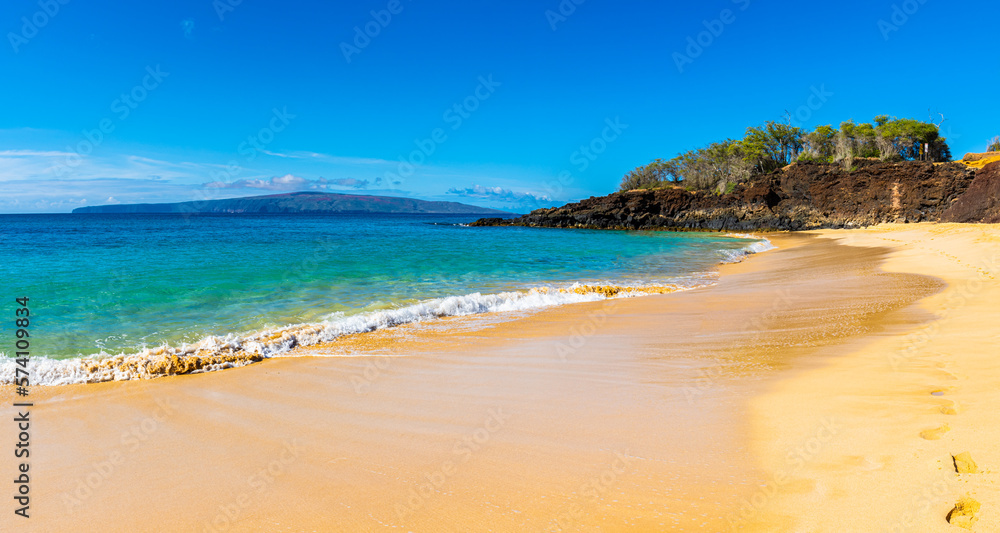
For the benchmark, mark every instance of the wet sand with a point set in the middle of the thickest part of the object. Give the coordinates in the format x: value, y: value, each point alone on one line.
x: 666, y: 412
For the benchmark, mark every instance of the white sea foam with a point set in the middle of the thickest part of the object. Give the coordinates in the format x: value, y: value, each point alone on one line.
x: 216, y: 353
x: 735, y: 256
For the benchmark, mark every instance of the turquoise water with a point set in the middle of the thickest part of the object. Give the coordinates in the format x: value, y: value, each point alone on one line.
x: 116, y: 284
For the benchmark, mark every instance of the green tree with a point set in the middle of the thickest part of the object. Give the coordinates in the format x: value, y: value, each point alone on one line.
x: 648, y: 176
x: 994, y: 145
x: 892, y: 139
x: 819, y: 145
x: 772, y: 146
x: 714, y: 166
x: 909, y: 138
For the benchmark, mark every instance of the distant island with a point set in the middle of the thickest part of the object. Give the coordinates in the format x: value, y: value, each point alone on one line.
x: 300, y: 202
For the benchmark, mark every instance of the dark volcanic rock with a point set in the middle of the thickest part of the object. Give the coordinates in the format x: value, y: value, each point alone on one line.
x: 981, y: 203
x: 799, y: 197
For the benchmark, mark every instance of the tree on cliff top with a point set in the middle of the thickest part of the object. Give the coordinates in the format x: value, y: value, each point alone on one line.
x: 651, y: 175
x: 774, y: 145
x: 819, y: 145
x: 909, y: 136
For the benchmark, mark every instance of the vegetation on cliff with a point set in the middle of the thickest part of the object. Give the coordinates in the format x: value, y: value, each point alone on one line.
x: 720, y: 166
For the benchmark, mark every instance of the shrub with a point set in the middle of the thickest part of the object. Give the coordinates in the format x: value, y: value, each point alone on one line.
x: 812, y: 156
x: 844, y: 149
x: 652, y: 175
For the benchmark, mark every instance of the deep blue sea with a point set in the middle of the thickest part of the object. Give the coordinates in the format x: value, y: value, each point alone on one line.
x: 103, y: 285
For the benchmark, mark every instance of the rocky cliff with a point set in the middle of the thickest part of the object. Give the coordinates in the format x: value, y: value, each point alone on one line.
x: 801, y: 196
x: 981, y: 202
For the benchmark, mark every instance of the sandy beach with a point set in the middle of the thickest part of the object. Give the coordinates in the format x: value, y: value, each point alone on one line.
x: 903, y: 405
x: 822, y: 386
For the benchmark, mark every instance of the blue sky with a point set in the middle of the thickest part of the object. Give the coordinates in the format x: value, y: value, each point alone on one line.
x: 105, y: 102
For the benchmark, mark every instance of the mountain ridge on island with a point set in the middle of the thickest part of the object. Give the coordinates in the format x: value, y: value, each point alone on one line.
x: 306, y: 202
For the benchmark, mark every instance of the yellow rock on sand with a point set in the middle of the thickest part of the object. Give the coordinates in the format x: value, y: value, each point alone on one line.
x: 964, y: 464
x: 936, y: 433
x: 964, y: 513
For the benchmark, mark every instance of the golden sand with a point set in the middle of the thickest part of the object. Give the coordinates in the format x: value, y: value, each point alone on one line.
x: 892, y: 466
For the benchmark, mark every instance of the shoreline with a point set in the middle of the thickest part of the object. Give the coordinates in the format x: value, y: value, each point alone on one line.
x: 626, y: 413
x: 214, y: 353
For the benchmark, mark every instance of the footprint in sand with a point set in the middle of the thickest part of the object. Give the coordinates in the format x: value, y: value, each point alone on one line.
x: 936, y: 433
x: 964, y: 463
x: 950, y: 409
x: 867, y: 464
x: 964, y: 513
x: 948, y: 375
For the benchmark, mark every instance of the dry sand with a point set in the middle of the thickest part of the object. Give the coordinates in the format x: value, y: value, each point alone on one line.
x: 668, y: 412
x: 903, y: 405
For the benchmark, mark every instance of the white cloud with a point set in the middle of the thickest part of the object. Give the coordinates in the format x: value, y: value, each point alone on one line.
x: 290, y: 182
x: 335, y: 159
x: 33, y: 153
x: 287, y: 182
x: 52, y: 195
x: 499, y: 194
x: 351, y: 183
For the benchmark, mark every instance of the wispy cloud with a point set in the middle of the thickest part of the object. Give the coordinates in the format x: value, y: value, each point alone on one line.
x: 498, y: 194
x: 287, y: 182
x: 33, y: 153
x: 328, y: 158
x: 187, y: 26
x: 351, y: 182
x: 20, y: 165
x: 290, y: 182
x: 54, y: 195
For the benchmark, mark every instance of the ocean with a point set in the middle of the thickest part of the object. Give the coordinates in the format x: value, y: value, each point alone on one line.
x: 141, y: 286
